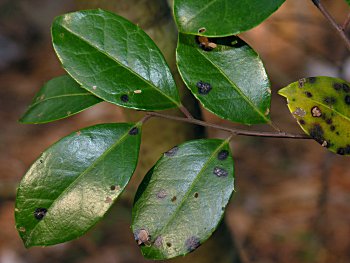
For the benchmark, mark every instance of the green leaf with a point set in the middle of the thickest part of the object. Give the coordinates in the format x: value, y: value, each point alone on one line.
x: 222, y: 17
x: 114, y: 59
x: 59, y: 98
x: 73, y: 183
x: 321, y: 105
x: 230, y: 80
x: 182, y: 199
x: 348, y: 2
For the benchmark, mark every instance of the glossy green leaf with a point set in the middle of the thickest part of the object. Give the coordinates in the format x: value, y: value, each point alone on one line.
x: 73, y: 183
x: 222, y: 17
x: 114, y: 59
x: 321, y: 105
x: 59, y: 98
x: 182, y: 198
x: 348, y: 2
x: 230, y: 80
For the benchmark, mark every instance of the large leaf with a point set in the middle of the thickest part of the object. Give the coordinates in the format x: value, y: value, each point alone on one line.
x: 114, y: 59
x: 321, y: 106
x: 222, y: 17
x: 73, y: 183
x: 230, y: 80
x: 182, y: 198
x: 59, y: 98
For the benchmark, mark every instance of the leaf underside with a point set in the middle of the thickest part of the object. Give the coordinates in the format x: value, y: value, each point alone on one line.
x: 321, y: 106
x: 230, y: 80
x: 59, y: 98
x: 182, y: 198
x: 73, y: 183
x: 114, y: 59
x: 222, y: 17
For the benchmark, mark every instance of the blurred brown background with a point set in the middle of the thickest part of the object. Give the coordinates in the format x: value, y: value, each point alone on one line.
x: 292, y: 201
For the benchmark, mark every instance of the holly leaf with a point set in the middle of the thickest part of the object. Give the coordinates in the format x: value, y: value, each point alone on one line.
x: 222, y: 17
x: 182, y: 199
x: 59, y: 98
x: 227, y: 76
x: 114, y: 59
x: 71, y: 186
x: 321, y: 106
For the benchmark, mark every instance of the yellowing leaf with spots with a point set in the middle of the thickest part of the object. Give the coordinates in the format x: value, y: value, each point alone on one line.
x: 321, y: 106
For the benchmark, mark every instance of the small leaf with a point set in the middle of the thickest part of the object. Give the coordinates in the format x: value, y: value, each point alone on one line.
x: 114, y: 59
x: 348, y: 2
x: 73, y: 183
x: 321, y: 105
x: 59, y: 98
x: 230, y: 80
x: 222, y: 17
x: 182, y: 199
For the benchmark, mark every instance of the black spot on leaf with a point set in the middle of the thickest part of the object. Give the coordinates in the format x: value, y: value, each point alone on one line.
x: 223, y: 154
x: 346, y: 87
x: 196, y: 195
x: 341, y: 151
x: 202, y: 30
x: 172, y: 151
x: 316, y: 132
x: 220, y: 172
x: 347, y: 99
x: 168, y: 244
x: 312, y: 80
x: 330, y: 100
x: 39, y: 213
x: 308, y: 94
x: 113, y: 187
x: 124, y: 98
x: 203, y: 87
x: 332, y: 128
x: 192, y: 243
x: 134, y: 131
x: 347, y: 149
x: 337, y: 86
x: 173, y: 199
x: 329, y: 121
x: 302, y: 122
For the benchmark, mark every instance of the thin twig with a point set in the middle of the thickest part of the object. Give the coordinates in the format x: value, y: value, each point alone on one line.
x: 346, y: 23
x: 231, y: 130
x: 331, y: 20
x: 185, y: 111
x: 145, y: 118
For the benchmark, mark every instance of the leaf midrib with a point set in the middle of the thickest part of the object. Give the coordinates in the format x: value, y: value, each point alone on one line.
x: 61, y: 96
x: 200, y: 11
x: 120, y: 64
x: 184, y: 199
x: 236, y: 88
x: 78, y: 177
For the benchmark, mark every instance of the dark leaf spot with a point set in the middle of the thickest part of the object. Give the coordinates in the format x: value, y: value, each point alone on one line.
x: 347, y: 149
x: 142, y: 237
x: 202, y: 30
x: 332, y: 128
x: 162, y: 194
x: 134, y: 131
x: 113, y: 187
x: 124, y: 98
x: 168, y: 244
x: 330, y: 100
x: 316, y: 133
x: 308, y: 94
x: 316, y: 112
x: 341, y: 151
x: 41, y: 161
x: 346, y: 87
x: 108, y: 200
x: 172, y: 151
x: 222, y: 155
x: 220, y: 172
x: 192, y: 243
x: 337, y: 86
x: 329, y: 121
x: 173, y: 199
x: 203, y: 87
x: 337, y: 133
x: 39, y: 213
x: 301, y: 83
x: 312, y: 80
x: 158, y: 242
x: 196, y: 195
x: 302, y: 122
x: 347, y: 99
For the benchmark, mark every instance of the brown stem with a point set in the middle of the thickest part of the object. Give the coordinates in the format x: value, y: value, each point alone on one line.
x: 231, y: 130
x: 185, y: 111
x: 328, y: 16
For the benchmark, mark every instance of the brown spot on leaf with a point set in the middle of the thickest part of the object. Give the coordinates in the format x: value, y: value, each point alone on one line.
x: 299, y: 112
x: 158, y: 242
x: 162, y: 194
x: 196, y: 195
x: 108, y: 200
x: 205, y: 43
x: 142, y: 237
x: 316, y: 112
x: 78, y: 133
x: 173, y: 199
x: 168, y: 244
x: 192, y: 243
x: 302, y: 122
